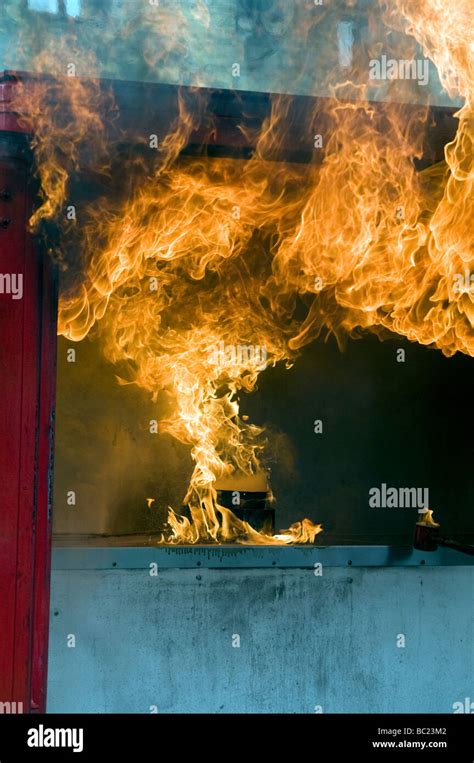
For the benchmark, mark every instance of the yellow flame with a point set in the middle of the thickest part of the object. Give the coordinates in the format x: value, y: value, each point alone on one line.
x: 206, y: 256
x: 426, y: 518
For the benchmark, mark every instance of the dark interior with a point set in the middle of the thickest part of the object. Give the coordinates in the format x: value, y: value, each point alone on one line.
x: 403, y: 424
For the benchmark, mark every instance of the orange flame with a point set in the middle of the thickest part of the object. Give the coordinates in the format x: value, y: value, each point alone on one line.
x: 426, y: 518
x: 194, y: 277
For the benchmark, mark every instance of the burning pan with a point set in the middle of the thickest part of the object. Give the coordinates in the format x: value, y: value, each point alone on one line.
x: 249, y: 506
x: 253, y: 507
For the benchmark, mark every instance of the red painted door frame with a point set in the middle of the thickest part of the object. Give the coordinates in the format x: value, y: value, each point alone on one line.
x: 27, y: 393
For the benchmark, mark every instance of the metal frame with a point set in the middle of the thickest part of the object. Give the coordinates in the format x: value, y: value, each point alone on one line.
x: 147, y: 108
x: 28, y: 369
x: 250, y: 557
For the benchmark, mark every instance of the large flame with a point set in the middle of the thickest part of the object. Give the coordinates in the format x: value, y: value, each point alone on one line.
x: 207, y: 253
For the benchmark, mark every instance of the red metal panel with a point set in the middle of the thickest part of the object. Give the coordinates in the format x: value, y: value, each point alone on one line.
x: 44, y: 498
x: 27, y: 377
x: 11, y: 371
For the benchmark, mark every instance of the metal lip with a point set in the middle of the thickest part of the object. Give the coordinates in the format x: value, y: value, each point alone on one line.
x: 250, y: 557
x: 152, y: 107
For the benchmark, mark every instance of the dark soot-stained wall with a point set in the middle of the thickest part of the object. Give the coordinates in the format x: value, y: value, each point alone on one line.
x: 404, y: 424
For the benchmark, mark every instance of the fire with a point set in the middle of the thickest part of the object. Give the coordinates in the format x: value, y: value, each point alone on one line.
x: 426, y: 518
x: 211, y: 253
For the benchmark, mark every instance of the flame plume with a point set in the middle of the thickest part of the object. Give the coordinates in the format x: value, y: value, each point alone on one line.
x: 207, y: 251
